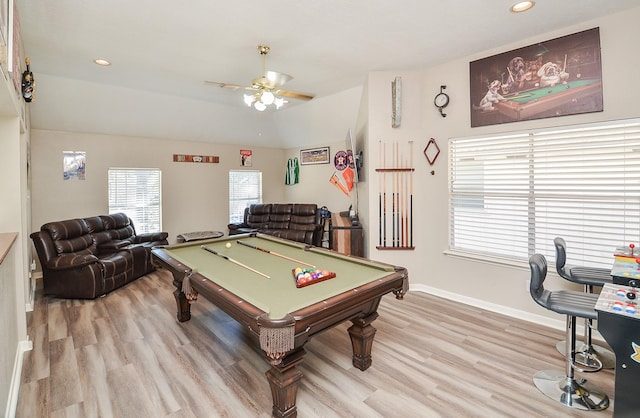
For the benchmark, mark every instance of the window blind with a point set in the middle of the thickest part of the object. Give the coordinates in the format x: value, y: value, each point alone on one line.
x: 245, y: 188
x: 511, y: 194
x: 137, y: 192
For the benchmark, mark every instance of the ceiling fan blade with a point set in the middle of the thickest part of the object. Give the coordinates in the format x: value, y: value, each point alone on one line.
x: 294, y: 94
x: 230, y: 86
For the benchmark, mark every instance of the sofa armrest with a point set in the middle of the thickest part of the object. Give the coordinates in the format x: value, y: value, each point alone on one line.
x: 70, y: 261
x: 150, y: 237
x: 113, y: 245
x: 240, y: 225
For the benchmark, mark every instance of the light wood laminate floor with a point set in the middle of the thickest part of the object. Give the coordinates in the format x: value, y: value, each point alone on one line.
x: 126, y: 355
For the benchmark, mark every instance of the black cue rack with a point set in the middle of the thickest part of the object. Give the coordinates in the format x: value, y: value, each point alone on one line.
x: 395, y: 198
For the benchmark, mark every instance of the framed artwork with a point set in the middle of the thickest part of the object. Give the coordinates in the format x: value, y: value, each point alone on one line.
x: 315, y: 156
x: 245, y: 157
x: 558, y: 77
x: 74, y: 164
x: 4, y: 21
x: 14, y: 53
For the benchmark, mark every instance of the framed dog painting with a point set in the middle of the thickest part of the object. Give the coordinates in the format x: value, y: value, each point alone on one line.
x: 558, y: 77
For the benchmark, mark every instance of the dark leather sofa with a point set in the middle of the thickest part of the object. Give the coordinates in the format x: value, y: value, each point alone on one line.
x: 89, y: 257
x: 293, y: 221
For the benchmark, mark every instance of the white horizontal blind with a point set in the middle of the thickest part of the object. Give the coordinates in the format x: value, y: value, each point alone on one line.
x: 245, y: 188
x: 512, y: 194
x: 137, y: 192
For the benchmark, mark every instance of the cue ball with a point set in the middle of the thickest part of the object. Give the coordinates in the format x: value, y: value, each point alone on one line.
x: 228, y: 245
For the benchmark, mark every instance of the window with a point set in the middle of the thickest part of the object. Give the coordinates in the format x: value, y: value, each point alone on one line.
x: 137, y: 192
x: 510, y: 195
x: 245, y: 188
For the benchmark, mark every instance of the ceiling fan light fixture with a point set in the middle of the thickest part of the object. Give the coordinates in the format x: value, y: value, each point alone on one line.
x: 249, y: 99
x: 279, y: 102
x: 267, y: 97
x: 259, y: 106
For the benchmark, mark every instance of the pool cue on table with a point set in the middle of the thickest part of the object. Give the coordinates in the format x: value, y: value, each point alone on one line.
x: 226, y: 257
x: 264, y: 250
x: 511, y: 75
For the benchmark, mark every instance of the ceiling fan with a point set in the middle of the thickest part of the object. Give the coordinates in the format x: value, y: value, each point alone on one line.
x: 266, y: 87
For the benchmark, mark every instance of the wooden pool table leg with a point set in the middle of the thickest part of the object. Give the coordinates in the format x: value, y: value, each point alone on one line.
x: 362, y: 333
x: 284, y: 379
x: 182, y: 303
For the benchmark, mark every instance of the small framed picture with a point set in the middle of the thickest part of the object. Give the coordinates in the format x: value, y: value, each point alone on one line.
x: 315, y: 156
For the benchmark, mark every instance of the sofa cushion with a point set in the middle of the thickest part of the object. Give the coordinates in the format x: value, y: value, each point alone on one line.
x: 119, y: 226
x: 258, y: 216
x: 280, y: 216
x: 69, y: 236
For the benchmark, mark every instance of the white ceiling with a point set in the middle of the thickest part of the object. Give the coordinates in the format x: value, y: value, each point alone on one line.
x: 170, y: 47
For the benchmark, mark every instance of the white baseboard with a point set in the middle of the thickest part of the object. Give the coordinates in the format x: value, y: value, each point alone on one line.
x: 14, y: 389
x: 30, y: 305
x: 559, y: 323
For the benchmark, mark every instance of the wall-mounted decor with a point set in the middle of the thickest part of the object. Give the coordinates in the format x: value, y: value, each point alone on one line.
x: 315, y: 156
x: 74, y: 165
x: 245, y: 157
x: 396, y: 102
x: 14, y: 54
x: 558, y: 77
x: 188, y: 158
x: 395, y: 197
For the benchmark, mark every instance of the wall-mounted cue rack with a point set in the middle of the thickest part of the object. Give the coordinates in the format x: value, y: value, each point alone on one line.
x: 395, y: 197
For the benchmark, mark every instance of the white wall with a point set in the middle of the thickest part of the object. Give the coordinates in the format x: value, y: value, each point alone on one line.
x: 494, y: 286
x: 323, y: 122
x: 195, y: 195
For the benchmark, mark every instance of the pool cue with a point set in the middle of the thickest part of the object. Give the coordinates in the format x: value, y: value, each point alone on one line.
x: 226, y: 257
x: 393, y: 196
x: 511, y: 75
x: 406, y: 206
x: 397, y: 165
x: 564, y: 69
x: 264, y: 250
x: 403, y: 206
x: 384, y: 195
x: 411, y: 195
x: 379, y: 196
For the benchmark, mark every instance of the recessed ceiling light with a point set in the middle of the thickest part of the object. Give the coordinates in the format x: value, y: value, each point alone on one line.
x: 102, y: 62
x: 522, y: 6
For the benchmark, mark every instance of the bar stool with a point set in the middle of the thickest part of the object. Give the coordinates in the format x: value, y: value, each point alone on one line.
x: 592, y: 356
x: 565, y: 387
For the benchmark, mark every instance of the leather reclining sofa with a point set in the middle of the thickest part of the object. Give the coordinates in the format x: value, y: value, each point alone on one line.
x: 89, y: 257
x: 293, y: 221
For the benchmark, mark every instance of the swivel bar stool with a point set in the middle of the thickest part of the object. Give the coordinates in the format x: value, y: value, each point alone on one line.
x: 592, y: 356
x: 565, y: 387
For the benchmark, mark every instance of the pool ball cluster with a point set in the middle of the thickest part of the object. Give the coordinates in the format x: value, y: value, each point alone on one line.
x: 307, y: 276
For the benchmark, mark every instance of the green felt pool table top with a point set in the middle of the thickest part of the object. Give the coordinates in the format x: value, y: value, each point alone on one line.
x: 527, y: 96
x: 278, y: 294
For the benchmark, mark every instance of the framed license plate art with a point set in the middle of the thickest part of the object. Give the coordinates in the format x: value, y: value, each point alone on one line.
x: 558, y: 77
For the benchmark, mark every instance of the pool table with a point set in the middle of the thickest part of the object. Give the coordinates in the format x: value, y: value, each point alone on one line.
x: 251, y: 278
x: 529, y: 103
